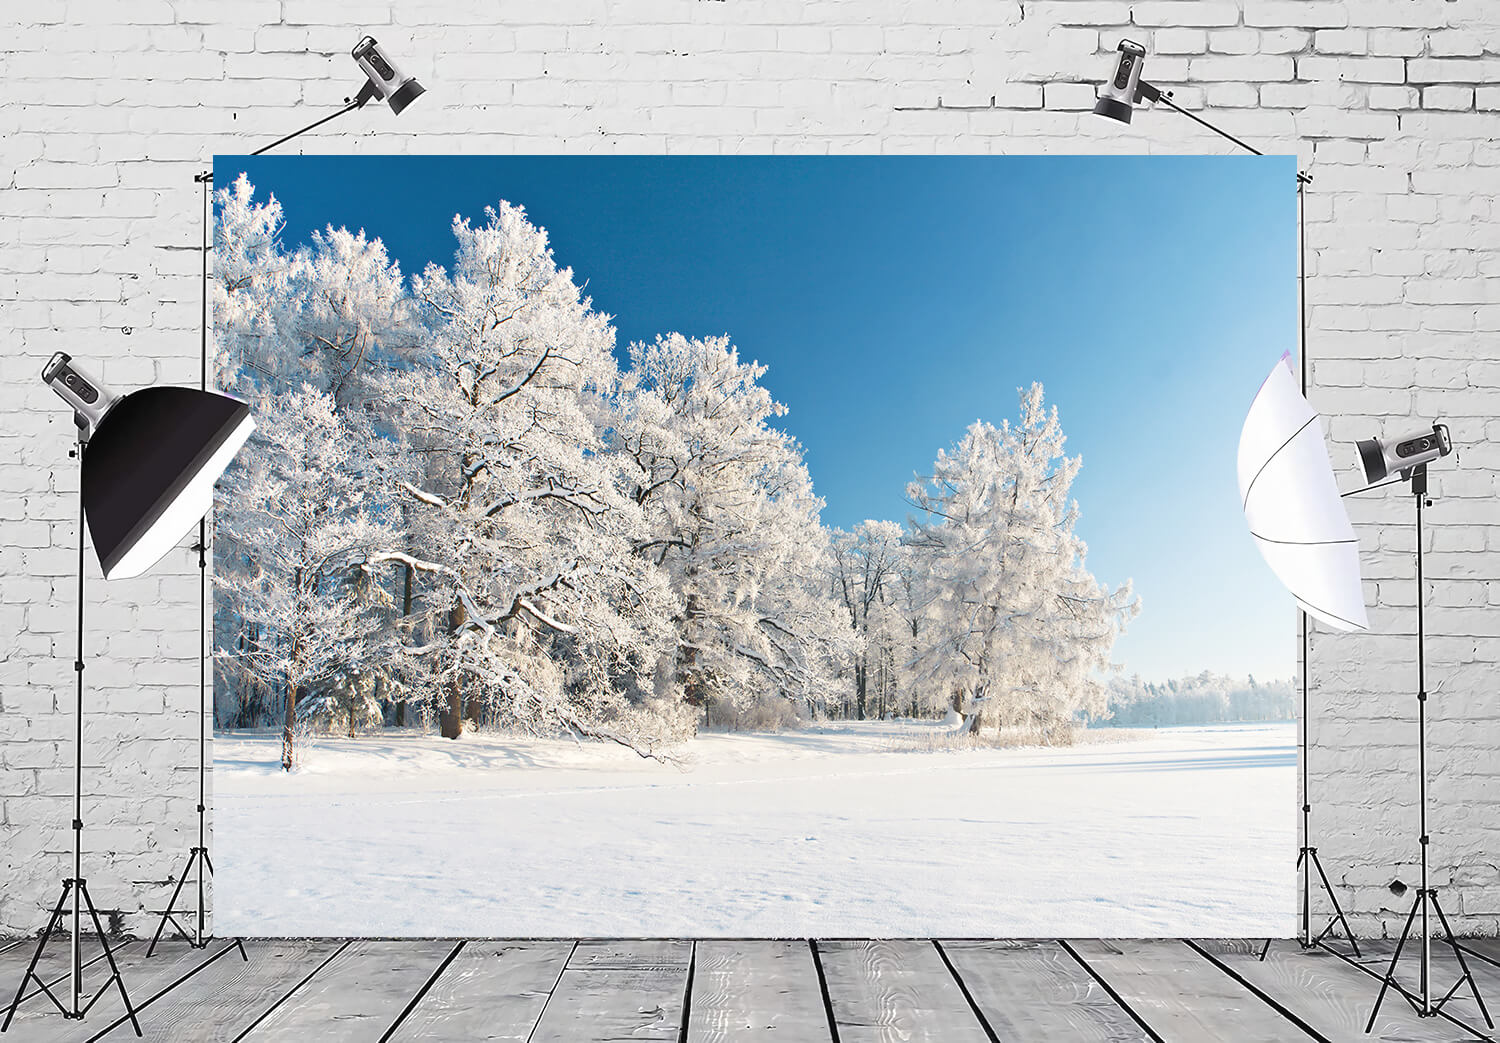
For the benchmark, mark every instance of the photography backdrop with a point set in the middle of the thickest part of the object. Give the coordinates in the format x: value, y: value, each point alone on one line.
x: 637, y: 539
x: 1391, y: 105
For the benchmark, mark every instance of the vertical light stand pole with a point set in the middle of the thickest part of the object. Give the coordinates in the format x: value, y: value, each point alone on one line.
x: 1307, y: 857
x: 75, y: 890
x: 198, y: 865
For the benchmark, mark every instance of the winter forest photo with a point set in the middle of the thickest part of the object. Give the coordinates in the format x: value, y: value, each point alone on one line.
x: 749, y: 547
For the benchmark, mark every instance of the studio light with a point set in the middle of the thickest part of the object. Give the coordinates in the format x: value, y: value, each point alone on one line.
x: 1382, y: 458
x: 147, y: 465
x: 1407, y: 457
x: 1119, y: 94
x: 1126, y: 88
x: 386, y: 78
x: 151, y: 462
x: 383, y: 79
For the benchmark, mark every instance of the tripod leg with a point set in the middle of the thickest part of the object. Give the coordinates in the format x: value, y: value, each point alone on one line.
x: 1390, y: 974
x: 57, y: 914
x: 1263, y: 950
x: 1338, y: 910
x: 167, y: 913
x: 1463, y: 964
x: 110, y: 956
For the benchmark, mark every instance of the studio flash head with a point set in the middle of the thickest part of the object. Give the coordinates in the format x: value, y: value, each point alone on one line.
x: 387, y: 81
x: 1382, y: 458
x: 89, y: 397
x: 1118, y: 94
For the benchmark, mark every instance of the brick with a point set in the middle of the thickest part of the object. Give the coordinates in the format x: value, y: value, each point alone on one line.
x: 1453, y: 70
x: 1353, y: 70
x: 1170, y: 14
x: 1457, y: 99
x: 1238, y: 40
x: 1254, y: 67
x: 1179, y: 41
x: 1068, y: 96
x: 1342, y: 41
x: 1455, y: 43
x: 1384, y: 96
x: 1309, y: 14
x: 1405, y: 43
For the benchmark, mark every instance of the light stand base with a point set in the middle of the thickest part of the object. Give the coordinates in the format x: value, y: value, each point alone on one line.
x: 1308, y: 940
x: 31, y: 975
x: 198, y: 938
x: 1422, y: 1002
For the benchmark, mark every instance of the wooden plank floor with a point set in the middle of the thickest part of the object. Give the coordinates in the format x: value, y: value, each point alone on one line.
x: 788, y: 991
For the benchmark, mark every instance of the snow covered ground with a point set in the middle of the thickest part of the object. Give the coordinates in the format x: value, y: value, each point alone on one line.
x: 839, y: 830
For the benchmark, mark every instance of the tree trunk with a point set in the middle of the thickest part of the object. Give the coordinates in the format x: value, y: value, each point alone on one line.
x: 451, y: 720
x: 976, y: 714
x: 405, y: 612
x: 693, y: 692
x: 286, y: 731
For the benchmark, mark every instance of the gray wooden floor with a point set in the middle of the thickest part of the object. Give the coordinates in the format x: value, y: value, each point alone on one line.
x: 780, y: 991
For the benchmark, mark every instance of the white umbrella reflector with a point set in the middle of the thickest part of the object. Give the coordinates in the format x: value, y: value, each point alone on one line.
x: 1293, y: 507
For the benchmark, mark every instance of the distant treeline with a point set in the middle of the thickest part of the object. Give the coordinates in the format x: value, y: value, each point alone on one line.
x: 1208, y: 698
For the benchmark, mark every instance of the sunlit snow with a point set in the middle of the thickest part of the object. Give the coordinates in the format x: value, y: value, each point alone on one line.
x: 848, y: 829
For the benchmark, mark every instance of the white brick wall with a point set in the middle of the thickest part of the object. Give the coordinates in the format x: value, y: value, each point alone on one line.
x: 1394, y: 105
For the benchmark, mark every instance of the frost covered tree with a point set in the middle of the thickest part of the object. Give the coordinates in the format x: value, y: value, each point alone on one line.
x: 540, y: 615
x: 867, y: 564
x: 1204, y: 698
x: 323, y: 314
x: 249, y: 285
x: 1015, y: 629
x: 327, y: 314
x: 300, y: 504
x: 733, y: 521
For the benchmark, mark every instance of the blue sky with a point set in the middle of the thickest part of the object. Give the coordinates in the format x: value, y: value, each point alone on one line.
x: 896, y: 300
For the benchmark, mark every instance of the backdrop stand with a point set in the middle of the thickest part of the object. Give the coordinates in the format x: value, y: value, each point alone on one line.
x: 76, y: 888
x: 199, y: 865
x: 1307, y: 854
x: 198, y: 856
x: 1426, y: 901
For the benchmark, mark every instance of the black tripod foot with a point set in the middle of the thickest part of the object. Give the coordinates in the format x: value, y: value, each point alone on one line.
x: 1423, y: 1003
x: 198, y: 938
x: 75, y: 1008
x: 1339, y: 919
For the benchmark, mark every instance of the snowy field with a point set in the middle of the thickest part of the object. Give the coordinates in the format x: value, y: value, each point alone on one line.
x: 839, y: 830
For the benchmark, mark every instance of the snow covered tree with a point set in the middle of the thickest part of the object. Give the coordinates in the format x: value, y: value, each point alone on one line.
x: 250, y: 282
x: 299, y: 499
x: 327, y: 315
x: 1205, y: 698
x: 733, y: 521
x: 1016, y: 630
x: 541, y: 616
x: 322, y: 314
x: 866, y: 565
